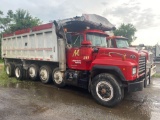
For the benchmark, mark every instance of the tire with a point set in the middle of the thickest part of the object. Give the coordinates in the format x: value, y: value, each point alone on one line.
x: 33, y: 71
x: 58, y: 78
x: 19, y: 72
x: 10, y: 69
x: 106, y: 90
x: 45, y: 74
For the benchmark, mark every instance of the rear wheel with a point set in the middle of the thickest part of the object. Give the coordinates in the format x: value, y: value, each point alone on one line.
x: 19, y: 72
x: 45, y: 74
x: 58, y: 78
x: 9, y: 69
x: 106, y: 90
x: 33, y: 71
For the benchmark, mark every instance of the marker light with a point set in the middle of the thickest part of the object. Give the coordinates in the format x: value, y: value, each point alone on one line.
x: 134, y: 70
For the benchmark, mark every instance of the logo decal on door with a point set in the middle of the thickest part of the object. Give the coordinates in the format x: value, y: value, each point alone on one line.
x: 75, y: 53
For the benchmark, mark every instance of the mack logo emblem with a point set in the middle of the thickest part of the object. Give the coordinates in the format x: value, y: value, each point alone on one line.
x: 133, y: 56
x: 75, y: 53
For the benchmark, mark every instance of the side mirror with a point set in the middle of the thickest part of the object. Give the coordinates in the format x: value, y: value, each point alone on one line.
x: 86, y: 42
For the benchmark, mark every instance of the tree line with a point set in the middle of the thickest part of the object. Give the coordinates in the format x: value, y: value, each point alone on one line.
x: 22, y: 19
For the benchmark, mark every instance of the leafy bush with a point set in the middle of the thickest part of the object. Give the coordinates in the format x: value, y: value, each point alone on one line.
x: 157, y: 75
x: 4, y: 79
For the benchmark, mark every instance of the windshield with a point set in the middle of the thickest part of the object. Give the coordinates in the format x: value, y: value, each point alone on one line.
x: 97, y: 39
x: 122, y: 43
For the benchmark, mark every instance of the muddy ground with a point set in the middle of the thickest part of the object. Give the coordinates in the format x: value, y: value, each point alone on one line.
x: 28, y: 100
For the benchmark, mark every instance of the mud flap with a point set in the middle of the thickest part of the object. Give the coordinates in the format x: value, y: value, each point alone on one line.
x: 25, y: 74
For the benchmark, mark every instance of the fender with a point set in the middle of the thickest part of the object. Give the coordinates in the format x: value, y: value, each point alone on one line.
x: 110, y: 68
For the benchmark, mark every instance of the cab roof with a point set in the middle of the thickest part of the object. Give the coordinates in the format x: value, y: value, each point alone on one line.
x: 80, y: 23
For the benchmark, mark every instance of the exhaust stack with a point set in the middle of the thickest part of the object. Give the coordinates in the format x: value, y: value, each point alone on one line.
x: 62, y: 54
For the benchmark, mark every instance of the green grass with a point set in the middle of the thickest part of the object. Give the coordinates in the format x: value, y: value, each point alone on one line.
x: 157, y: 75
x: 4, y: 79
x: 1, y: 61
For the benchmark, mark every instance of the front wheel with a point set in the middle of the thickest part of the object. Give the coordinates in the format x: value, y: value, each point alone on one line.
x: 106, y: 90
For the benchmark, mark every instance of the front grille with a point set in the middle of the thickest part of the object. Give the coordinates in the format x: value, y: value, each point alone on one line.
x: 142, y: 64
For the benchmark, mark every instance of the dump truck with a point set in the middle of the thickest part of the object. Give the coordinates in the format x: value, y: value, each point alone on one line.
x: 74, y: 52
x: 121, y: 42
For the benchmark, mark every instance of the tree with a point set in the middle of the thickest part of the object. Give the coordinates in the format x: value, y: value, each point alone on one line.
x: 21, y: 19
x: 127, y: 31
x: 6, y: 21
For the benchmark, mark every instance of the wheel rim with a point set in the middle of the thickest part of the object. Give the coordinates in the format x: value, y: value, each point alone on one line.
x: 58, y: 77
x: 104, y: 90
x: 7, y: 70
x: 32, y: 72
x: 44, y: 74
x: 17, y: 72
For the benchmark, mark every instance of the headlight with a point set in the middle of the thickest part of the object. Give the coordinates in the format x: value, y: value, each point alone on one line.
x: 134, y: 70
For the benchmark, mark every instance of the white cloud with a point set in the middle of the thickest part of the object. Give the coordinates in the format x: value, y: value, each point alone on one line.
x: 150, y: 36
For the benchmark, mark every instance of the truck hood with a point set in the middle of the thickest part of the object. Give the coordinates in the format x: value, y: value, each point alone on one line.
x: 118, y: 53
x: 148, y: 54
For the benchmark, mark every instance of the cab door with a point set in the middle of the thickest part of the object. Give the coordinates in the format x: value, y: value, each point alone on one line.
x: 79, y: 57
x: 74, y: 60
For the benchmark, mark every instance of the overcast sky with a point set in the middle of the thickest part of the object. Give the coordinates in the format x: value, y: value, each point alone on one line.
x: 143, y: 14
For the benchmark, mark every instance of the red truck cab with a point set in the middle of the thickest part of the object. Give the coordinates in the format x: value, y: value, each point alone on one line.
x: 117, y: 42
x: 83, y: 44
x: 90, y: 52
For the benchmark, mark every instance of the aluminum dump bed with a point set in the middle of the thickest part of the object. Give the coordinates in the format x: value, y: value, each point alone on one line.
x: 37, y: 43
